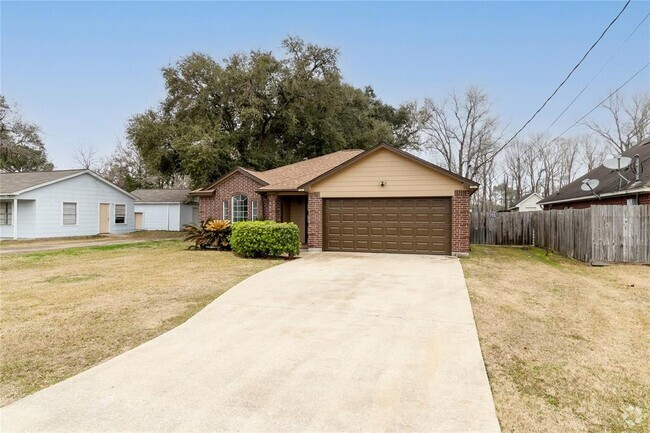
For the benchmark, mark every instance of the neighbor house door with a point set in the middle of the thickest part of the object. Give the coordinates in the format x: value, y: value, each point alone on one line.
x: 104, y: 218
x: 138, y: 220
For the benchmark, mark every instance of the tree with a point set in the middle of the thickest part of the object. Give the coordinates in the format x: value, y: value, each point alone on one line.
x: 86, y: 158
x: 21, y: 146
x: 462, y: 130
x: 631, y: 121
x: 260, y: 111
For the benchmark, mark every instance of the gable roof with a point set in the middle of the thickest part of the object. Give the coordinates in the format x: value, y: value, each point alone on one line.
x: 524, y: 198
x: 609, y: 180
x: 160, y: 195
x: 13, y: 184
x: 397, y: 151
x: 296, y: 176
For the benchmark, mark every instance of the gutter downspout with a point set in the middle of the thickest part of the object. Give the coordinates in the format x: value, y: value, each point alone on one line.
x: 15, y: 218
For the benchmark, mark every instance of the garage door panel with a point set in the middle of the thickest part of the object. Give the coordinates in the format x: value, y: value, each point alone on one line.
x: 406, y: 225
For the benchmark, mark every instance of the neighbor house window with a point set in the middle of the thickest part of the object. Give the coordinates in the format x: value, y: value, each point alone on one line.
x: 69, y: 214
x: 254, y: 210
x: 6, y: 213
x: 225, y: 210
x: 632, y: 201
x: 239, y: 208
x: 120, y: 214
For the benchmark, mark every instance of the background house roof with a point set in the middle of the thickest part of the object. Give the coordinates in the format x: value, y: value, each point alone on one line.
x: 609, y: 180
x: 13, y: 183
x: 161, y: 195
x: 523, y: 199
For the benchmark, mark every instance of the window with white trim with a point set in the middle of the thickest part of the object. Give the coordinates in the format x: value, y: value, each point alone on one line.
x: 225, y: 210
x: 239, y: 208
x: 120, y: 214
x: 69, y: 214
x: 6, y: 213
x: 254, y: 210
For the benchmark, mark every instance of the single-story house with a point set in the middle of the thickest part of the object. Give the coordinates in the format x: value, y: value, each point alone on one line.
x: 62, y: 203
x: 611, y: 189
x: 378, y: 200
x: 164, y: 209
x: 528, y: 203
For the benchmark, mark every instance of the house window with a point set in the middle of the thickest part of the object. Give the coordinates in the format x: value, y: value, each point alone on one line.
x: 254, y: 210
x: 239, y: 208
x: 69, y: 214
x: 6, y: 213
x: 225, y: 210
x: 120, y: 214
x: 632, y: 201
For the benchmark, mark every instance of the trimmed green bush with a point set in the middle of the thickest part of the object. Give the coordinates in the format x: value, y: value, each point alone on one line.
x: 265, y: 239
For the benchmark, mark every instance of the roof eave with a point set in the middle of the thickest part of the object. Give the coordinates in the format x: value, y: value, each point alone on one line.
x: 373, y: 149
x: 591, y: 197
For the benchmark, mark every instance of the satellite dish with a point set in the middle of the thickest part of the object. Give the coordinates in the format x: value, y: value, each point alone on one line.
x: 589, y: 184
x: 617, y: 162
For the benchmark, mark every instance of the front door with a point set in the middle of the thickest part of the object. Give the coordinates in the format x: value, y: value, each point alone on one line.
x: 138, y: 220
x: 294, y: 209
x: 104, y: 218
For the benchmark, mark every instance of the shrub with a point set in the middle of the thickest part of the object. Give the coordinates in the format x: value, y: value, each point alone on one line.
x: 265, y: 239
x: 209, y: 234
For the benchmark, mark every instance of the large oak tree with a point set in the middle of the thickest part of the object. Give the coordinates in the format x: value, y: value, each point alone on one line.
x: 261, y: 111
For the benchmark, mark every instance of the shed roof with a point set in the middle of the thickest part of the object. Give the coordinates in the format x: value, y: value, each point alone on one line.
x: 161, y: 195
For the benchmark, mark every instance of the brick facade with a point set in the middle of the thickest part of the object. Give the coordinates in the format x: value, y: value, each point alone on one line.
x: 607, y: 201
x: 460, y: 222
x: 314, y: 221
x: 237, y: 183
x: 273, y: 208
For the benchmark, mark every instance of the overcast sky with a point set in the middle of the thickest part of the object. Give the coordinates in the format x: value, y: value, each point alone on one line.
x: 80, y: 70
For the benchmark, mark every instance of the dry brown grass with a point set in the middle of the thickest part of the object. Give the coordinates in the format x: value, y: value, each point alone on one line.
x: 72, y: 240
x: 566, y: 346
x: 64, y: 311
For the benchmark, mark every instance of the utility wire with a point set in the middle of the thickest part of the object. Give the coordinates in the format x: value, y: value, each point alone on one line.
x: 597, y: 74
x: 565, y: 79
x: 540, y: 148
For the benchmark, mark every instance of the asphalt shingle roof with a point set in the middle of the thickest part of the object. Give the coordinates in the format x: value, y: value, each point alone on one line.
x: 12, y: 183
x: 608, y: 179
x: 161, y: 195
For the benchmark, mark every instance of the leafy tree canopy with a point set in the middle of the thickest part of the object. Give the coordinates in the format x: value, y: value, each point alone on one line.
x: 21, y: 146
x: 260, y: 111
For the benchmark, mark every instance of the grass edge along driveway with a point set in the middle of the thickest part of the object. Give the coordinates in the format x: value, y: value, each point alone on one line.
x: 64, y: 311
x: 565, y: 345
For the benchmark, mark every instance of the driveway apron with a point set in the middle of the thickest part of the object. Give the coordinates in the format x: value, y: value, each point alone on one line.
x: 331, y: 342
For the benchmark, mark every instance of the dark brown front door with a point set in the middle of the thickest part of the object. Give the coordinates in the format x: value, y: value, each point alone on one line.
x: 294, y: 209
x: 388, y: 225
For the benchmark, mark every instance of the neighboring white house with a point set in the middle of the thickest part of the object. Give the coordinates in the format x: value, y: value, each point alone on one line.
x: 164, y: 209
x: 528, y: 203
x: 62, y: 203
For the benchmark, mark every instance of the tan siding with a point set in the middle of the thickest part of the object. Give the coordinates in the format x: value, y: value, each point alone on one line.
x: 403, y: 177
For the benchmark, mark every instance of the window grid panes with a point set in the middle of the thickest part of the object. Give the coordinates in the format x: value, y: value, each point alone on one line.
x: 120, y: 213
x: 254, y: 210
x: 69, y: 213
x: 226, y: 210
x: 6, y: 214
x: 239, y: 208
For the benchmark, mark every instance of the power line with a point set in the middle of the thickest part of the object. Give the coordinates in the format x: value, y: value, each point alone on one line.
x: 597, y: 74
x: 565, y: 79
x: 540, y: 148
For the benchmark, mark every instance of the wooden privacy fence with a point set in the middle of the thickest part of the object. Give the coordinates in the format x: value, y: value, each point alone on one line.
x: 596, y: 234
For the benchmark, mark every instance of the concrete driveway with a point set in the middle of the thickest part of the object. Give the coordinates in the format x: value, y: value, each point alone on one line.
x: 329, y: 342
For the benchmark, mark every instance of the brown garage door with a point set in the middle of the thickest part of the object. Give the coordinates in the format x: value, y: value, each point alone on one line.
x: 388, y: 225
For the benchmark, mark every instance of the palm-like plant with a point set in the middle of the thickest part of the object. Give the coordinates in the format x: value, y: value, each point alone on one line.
x: 209, y: 234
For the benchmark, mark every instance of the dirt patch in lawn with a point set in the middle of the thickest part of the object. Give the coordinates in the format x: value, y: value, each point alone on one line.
x: 64, y: 311
x: 566, y: 345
